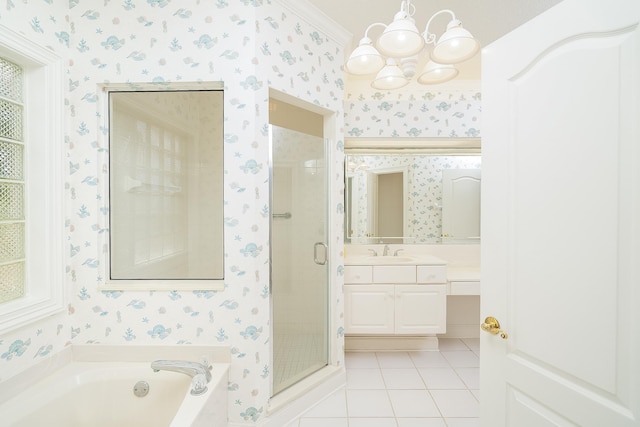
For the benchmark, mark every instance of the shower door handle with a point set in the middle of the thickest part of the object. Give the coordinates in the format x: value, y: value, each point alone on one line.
x: 315, y: 253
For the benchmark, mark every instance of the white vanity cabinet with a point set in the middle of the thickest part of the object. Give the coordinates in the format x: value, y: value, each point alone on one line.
x: 369, y: 309
x: 420, y: 309
x: 395, y: 299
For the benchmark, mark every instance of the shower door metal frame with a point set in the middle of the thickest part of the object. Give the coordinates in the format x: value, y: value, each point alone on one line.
x: 327, y: 262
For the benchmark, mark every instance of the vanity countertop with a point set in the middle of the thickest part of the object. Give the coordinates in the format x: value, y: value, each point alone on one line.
x: 394, y: 260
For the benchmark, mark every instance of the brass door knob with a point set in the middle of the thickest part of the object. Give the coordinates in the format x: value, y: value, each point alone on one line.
x: 492, y: 326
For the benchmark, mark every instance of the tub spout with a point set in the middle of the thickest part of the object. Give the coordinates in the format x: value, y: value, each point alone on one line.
x: 200, y: 373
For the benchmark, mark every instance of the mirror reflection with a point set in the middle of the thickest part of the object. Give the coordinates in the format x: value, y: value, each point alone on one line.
x: 412, y: 198
x: 166, y: 185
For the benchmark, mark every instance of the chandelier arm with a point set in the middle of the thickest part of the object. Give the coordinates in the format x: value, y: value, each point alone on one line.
x: 366, y: 32
x: 409, y: 6
x: 430, y: 37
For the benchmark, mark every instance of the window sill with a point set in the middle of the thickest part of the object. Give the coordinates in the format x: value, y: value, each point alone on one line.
x: 162, y: 285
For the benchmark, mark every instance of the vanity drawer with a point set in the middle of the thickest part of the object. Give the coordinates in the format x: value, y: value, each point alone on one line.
x: 357, y: 274
x: 394, y: 274
x: 432, y: 274
x: 465, y: 288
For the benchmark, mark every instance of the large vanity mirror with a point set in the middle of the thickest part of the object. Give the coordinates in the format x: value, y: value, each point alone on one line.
x: 166, y: 187
x: 412, y: 196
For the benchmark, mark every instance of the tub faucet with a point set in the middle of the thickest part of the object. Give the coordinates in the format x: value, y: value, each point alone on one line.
x: 200, y: 373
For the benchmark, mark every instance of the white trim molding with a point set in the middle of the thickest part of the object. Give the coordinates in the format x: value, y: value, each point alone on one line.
x: 44, y: 124
x: 318, y: 19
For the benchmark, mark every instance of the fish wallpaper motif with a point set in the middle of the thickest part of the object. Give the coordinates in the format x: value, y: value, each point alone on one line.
x: 428, y: 113
x: 250, y: 45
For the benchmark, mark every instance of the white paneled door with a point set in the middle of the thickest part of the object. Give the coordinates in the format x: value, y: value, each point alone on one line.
x: 561, y: 219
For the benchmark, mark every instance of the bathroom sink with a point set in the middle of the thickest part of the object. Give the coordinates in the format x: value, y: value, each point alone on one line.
x: 393, y: 260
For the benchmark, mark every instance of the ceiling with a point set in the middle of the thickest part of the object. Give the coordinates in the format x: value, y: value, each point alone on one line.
x: 487, y: 20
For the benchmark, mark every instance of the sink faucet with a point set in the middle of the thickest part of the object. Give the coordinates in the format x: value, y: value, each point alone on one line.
x: 385, y: 251
x: 397, y: 252
x: 373, y: 252
x: 200, y: 373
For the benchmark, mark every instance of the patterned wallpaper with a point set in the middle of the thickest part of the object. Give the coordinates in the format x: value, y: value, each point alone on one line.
x: 413, y: 114
x: 251, y: 45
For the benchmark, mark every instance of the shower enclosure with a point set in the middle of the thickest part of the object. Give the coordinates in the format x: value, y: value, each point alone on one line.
x: 299, y: 290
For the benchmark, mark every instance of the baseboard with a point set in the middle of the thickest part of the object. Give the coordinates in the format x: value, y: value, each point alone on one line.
x: 299, y: 398
x: 391, y: 343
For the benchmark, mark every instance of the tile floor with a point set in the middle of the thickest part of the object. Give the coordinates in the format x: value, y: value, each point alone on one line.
x: 405, y: 389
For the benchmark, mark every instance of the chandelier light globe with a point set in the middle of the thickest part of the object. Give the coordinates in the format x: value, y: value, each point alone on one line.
x: 365, y: 59
x: 434, y: 73
x: 390, y: 77
x: 408, y: 66
x: 401, y: 38
x: 455, y: 45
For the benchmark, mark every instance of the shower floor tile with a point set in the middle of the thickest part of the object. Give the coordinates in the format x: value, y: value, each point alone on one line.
x: 295, y: 356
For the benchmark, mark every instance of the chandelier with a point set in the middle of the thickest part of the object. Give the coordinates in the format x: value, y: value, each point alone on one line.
x: 395, y: 57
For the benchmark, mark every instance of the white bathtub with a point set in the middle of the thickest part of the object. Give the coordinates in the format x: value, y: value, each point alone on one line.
x: 100, y: 393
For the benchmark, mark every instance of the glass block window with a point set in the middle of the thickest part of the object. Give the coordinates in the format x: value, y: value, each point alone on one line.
x: 11, y: 281
x: 11, y: 161
x: 31, y: 182
x: 11, y: 120
x: 12, y: 186
x: 11, y: 77
x: 12, y: 241
x: 11, y: 201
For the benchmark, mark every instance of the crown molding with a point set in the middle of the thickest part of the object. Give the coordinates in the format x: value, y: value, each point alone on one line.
x: 318, y: 19
x: 409, y: 145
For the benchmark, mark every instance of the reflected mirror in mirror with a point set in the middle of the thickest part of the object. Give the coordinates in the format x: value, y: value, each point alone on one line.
x: 166, y: 185
x: 412, y: 198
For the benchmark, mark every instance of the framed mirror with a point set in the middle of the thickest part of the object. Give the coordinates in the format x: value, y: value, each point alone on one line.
x: 412, y: 197
x: 166, y: 188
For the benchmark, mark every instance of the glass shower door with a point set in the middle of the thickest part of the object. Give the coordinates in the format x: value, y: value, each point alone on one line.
x: 299, y: 288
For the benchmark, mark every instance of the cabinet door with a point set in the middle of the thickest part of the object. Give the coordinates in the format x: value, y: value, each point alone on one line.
x: 368, y: 309
x: 420, y: 309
